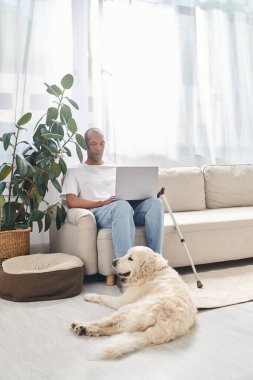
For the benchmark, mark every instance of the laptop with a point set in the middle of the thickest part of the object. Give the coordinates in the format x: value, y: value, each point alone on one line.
x: 136, y: 183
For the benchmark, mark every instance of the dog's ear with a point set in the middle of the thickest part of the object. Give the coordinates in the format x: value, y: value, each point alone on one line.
x: 161, y: 262
x: 151, y: 265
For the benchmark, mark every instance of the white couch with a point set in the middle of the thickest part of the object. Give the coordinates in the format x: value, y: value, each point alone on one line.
x: 213, y: 207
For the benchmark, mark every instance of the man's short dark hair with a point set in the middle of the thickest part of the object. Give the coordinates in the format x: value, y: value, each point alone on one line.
x: 90, y: 130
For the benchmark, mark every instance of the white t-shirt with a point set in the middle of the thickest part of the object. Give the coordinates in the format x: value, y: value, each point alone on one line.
x: 95, y: 182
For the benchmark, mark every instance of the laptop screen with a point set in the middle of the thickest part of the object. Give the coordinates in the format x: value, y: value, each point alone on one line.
x: 136, y: 183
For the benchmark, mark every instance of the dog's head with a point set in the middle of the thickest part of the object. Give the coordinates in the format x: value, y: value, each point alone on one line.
x: 139, y: 262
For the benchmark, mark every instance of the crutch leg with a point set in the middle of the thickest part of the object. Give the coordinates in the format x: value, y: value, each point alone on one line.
x: 162, y: 195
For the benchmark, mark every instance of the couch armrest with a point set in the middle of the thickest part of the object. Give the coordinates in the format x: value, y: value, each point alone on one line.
x: 78, y: 237
x: 75, y: 214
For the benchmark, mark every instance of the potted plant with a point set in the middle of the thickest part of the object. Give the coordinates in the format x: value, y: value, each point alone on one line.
x: 34, y: 164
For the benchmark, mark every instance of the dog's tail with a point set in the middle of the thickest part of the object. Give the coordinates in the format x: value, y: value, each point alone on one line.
x: 122, y: 344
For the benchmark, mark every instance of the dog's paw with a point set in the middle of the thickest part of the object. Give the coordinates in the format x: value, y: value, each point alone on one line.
x: 82, y: 328
x: 93, y: 297
x: 78, y: 327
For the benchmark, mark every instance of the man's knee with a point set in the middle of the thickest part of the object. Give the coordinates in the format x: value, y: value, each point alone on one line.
x: 159, y: 204
x: 155, y: 203
x: 122, y: 207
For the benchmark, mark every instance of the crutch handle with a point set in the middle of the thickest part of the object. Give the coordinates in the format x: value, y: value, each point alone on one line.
x: 161, y: 192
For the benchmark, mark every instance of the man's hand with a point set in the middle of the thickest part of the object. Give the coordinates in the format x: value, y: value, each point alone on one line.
x: 73, y: 201
x: 107, y: 201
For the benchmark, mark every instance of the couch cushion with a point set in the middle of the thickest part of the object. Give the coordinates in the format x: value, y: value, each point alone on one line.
x: 210, y: 219
x: 228, y: 185
x: 184, y: 188
x: 212, y: 235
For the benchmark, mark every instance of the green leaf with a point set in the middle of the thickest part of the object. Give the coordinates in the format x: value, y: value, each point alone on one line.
x: 7, y: 139
x: 79, y: 153
x: 71, y: 124
x: 56, y: 169
x: 58, y: 222
x: 31, y: 169
x: 22, y: 166
x: 56, y: 89
x: 67, y: 81
x: 15, y: 186
x: 50, y: 149
x: 65, y: 113
x: 67, y: 151
x: 2, y: 201
x: 5, y: 170
x: 63, y: 213
x: 9, y: 213
x: 63, y: 166
x: 52, y: 136
x: 73, y: 103
x: 40, y: 225
x: 24, y: 198
x: 40, y: 130
x: 2, y: 187
x: 24, y: 119
x: 37, y: 197
x: 42, y: 161
x: 56, y: 185
x: 52, y: 114
x: 36, y: 215
x: 60, y: 216
x: 58, y: 129
x: 81, y: 141
x: 42, y: 187
x: 38, y: 135
x: 59, y: 212
x: 51, y: 90
x: 47, y: 221
x: 27, y: 150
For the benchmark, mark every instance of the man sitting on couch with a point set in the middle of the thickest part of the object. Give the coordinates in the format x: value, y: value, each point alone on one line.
x: 89, y: 187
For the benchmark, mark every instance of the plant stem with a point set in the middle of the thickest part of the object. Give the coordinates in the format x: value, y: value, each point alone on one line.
x: 60, y: 100
x: 13, y: 159
x: 51, y: 206
x: 59, y: 104
x: 68, y: 140
x: 39, y: 121
x: 21, y: 208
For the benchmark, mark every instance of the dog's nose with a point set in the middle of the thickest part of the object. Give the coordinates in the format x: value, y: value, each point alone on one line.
x: 114, y: 262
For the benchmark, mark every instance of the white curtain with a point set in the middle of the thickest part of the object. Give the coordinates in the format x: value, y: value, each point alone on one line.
x: 172, y: 81
x: 37, y: 46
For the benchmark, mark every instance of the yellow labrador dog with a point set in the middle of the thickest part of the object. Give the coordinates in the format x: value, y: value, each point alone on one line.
x: 154, y: 308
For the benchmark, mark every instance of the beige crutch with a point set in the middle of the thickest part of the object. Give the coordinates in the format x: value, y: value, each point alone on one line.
x: 162, y: 195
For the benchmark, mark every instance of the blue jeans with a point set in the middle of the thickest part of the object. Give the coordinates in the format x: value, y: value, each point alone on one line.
x: 122, y: 217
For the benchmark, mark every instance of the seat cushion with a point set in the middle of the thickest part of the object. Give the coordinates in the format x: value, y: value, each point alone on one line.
x: 210, y: 219
x: 41, y: 277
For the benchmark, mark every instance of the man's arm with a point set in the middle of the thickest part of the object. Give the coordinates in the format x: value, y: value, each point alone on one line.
x: 74, y: 202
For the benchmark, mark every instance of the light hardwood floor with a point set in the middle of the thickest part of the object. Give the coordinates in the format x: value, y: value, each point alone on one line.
x: 37, y: 344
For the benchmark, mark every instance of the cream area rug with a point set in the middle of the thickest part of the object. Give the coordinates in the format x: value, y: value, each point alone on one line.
x: 222, y: 286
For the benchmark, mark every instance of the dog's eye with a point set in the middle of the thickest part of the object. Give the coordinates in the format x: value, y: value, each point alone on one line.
x: 130, y: 258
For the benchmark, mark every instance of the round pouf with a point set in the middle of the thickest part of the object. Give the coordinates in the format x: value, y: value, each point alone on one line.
x: 41, y: 277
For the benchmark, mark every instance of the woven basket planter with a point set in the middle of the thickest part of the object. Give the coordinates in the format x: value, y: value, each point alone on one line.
x: 14, y: 243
